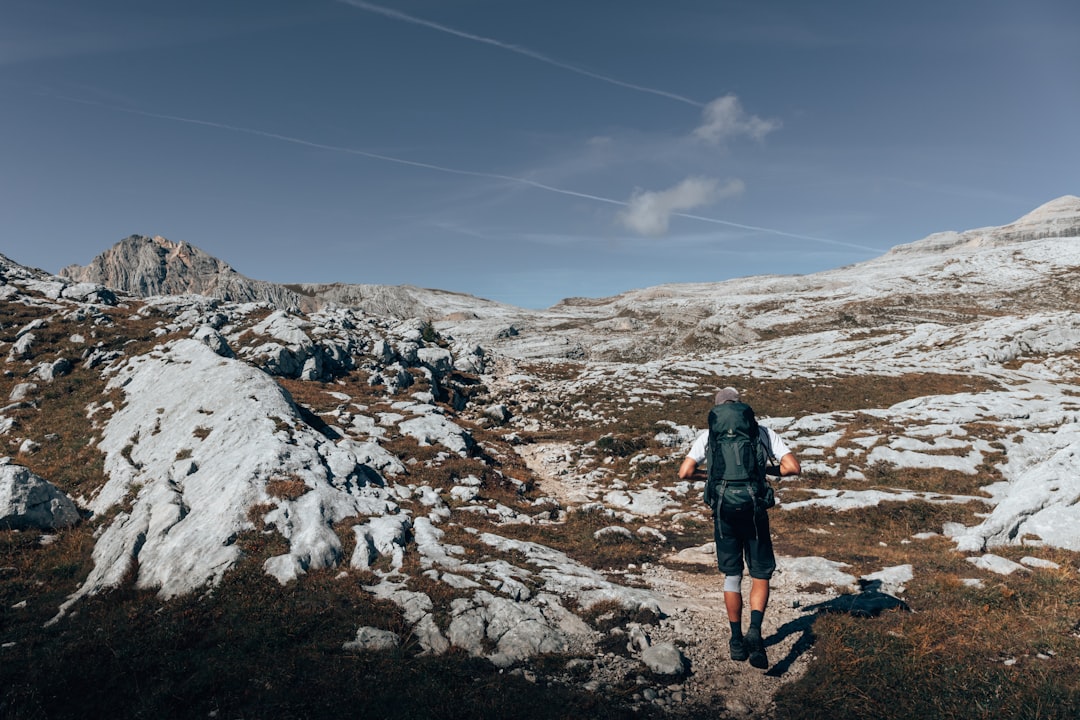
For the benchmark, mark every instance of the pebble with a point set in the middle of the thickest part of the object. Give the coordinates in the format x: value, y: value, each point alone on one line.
x: 736, y: 707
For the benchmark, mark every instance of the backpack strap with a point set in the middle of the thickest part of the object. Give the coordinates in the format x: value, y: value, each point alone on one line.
x: 766, y: 445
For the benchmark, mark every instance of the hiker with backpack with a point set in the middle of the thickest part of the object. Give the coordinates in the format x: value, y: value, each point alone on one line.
x: 740, y: 453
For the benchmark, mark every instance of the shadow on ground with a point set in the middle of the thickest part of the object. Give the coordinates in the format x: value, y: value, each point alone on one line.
x: 869, y: 602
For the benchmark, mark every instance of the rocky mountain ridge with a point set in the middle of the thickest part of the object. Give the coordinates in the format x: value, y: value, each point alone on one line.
x: 146, y: 266
x: 938, y: 279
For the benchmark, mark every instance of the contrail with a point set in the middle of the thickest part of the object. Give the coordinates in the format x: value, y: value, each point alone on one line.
x: 442, y: 168
x: 336, y: 148
x: 398, y: 15
x: 773, y: 231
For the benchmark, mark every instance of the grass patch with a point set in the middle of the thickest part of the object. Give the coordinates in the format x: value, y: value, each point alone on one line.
x: 575, y: 537
x: 290, y: 488
x: 867, y: 538
x: 1002, y: 651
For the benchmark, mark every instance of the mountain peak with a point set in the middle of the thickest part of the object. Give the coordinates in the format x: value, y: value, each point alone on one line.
x: 1062, y: 210
x: 144, y: 266
x: 1058, y: 218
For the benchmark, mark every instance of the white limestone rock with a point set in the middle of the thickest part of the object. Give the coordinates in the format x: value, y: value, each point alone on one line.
x: 1041, y: 563
x: 613, y: 532
x: 997, y: 564
x: 22, y: 391
x: 562, y: 575
x: 372, y: 639
x: 665, y: 659
x: 434, y: 429
x: 814, y: 569
x: 385, y: 535
x: 516, y: 629
x: 651, y: 534
x: 89, y: 293
x: 648, y: 502
x: 416, y: 608
x: 22, y: 348
x: 213, y: 339
x: 49, y: 371
x: 1042, y: 500
x: 497, y: 413
x: 891, y: 580
x: 28, y: 502
x: 222, y: 431
x: 702, y: 555
x: 438, y: 360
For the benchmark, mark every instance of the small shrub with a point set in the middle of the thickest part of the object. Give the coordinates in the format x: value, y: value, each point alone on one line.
x: 428, y: 333
x: 620, y: 446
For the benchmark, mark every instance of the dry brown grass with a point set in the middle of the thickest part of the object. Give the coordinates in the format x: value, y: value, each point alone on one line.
x: 797, y: 397
x: 874, y: 537
x: 290, y: 488
x: 1006, y: 650
x: 574, y: 536
x: 769, y: 397
x: 40, y: 575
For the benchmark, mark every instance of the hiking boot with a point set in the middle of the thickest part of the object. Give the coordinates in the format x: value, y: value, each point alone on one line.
x: 738, y: 649
x: 756, y: 647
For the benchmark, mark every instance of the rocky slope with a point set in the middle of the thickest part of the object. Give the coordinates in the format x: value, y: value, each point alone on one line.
x: 1028, y: 265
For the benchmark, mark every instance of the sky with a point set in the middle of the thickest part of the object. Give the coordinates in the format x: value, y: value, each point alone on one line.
x: 528, y: 151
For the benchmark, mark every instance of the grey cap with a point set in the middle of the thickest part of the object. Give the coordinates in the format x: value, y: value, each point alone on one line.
x: 728, y: 394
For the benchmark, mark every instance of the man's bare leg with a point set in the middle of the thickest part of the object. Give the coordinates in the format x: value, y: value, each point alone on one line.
x: 733, y: 602
x: 759, y: 600
x: 759, y: 596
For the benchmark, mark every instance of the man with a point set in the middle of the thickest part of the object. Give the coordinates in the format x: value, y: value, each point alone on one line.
x: 740, y: 536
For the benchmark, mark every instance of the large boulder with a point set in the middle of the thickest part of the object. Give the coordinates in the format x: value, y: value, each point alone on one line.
x: 27, y: 502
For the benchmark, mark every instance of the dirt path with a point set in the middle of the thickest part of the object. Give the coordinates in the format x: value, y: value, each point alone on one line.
x: 690, y: 593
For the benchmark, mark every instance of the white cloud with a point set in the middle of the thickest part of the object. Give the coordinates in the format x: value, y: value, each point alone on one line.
x: 648, y: 212
x: 724, y: 118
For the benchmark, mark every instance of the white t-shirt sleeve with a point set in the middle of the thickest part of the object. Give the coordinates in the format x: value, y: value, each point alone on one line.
x: 775, y: 443
x: 699, y: 448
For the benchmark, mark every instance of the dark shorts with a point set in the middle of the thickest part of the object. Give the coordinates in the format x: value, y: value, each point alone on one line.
x: 744, y: 538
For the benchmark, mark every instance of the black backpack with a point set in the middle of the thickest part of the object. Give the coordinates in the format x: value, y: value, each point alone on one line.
x: 736, y: 457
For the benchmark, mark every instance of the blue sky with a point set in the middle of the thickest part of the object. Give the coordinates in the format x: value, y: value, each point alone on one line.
x: 529, y: 150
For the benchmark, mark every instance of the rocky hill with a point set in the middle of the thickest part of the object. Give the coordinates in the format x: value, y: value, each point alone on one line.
x: 1026, y: 266
x: 498, y: 488
x: 403, y: 301
x: 146, y: 266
